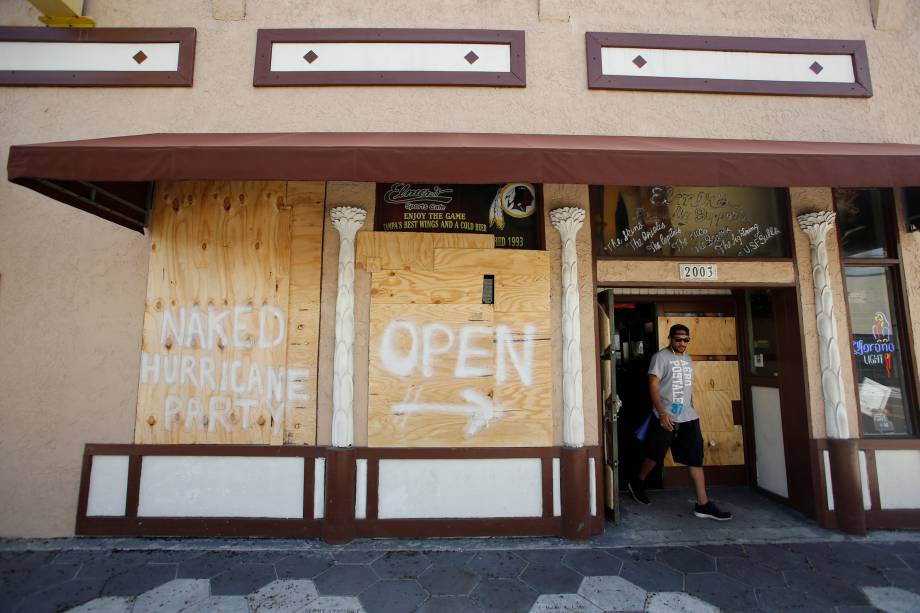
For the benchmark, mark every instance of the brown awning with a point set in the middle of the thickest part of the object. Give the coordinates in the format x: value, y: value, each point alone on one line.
x: 113, y: 172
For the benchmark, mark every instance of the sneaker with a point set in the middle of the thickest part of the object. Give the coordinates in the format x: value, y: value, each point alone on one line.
x: 637, y: 489
x: 711, y: 511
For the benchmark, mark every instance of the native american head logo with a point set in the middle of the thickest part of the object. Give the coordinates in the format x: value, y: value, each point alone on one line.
x: 516, y: 200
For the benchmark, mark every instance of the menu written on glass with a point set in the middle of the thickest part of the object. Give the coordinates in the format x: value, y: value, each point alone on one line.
x: 510, y: 211
x: 704, y: 222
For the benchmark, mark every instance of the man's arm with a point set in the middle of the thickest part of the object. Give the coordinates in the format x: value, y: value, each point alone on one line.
x: 664, y: 416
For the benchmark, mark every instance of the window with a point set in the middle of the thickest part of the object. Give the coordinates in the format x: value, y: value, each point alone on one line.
x: 763, y: 360
x: 872, y: 278
x: 703, y: 222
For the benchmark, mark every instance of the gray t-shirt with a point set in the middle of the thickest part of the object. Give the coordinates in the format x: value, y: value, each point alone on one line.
x: 675, y: 374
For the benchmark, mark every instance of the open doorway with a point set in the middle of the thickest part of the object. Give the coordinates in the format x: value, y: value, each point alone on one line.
x: 749, y: 389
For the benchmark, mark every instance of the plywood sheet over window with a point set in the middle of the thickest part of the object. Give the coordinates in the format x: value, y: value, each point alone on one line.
x: 230, y: 324
x: 447, y: 370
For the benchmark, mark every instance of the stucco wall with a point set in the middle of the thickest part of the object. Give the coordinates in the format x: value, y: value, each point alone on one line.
x: 72, y: 286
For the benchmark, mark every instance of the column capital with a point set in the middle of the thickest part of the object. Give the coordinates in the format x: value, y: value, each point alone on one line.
x: 816, y: 225
x: 567, y: 220
x: 347, y: 219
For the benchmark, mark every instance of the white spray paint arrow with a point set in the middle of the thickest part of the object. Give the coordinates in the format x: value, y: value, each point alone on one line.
x: 480, y: 409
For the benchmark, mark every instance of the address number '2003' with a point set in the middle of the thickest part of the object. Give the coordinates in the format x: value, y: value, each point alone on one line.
x: 699, y: 272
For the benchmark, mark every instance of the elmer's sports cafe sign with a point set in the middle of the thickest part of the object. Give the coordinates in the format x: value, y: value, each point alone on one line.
x: 510, y: 211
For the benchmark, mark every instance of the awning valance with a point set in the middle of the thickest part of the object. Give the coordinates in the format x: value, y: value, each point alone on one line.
x: 111, y: 176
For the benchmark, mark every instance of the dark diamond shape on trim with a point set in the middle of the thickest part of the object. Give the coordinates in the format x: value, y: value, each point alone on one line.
x: 311, y: 56
x: 139, y: 57
x: 471, y: 57
x: 816, y: 68
x: 639, y: 61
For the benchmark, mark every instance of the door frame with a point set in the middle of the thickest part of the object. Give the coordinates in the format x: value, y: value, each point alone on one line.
x: 794, y: 399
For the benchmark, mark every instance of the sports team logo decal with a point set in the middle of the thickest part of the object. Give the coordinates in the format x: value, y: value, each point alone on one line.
x: 516, y: 200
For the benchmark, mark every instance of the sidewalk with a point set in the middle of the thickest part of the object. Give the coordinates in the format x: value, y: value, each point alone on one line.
x: 660, y: 558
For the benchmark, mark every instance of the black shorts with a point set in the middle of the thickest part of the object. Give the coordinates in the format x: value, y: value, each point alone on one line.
x: 685, y: 442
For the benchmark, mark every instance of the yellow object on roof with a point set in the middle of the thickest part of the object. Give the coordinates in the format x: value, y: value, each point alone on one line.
x: 62, y: 13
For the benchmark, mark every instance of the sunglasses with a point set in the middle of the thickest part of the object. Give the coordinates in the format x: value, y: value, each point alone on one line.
x: 682, y: 339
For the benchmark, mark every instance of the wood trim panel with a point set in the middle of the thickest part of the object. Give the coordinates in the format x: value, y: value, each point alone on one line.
x: 304, y: 451
x: 206, y: 526
x: 133, y: 495
x: 884, y: 444
x: 265, y: 77
x: 183, y: 76
x: 875, y: 497
x: 427, y: 528
x: 309, y: 486
x: 596, y: 41
x: 132, y: 525
x: 893, y: 519
x: 546, y: 475
x: 455, y: 453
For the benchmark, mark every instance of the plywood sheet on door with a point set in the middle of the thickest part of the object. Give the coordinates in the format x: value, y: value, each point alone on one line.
x: 709, y: 335
x: 716, y: 375
x: 446, y: 370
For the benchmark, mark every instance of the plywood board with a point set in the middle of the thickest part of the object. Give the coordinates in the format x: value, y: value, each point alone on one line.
x: 307, y: 201
x: 401, y: 287
x: 709, y: 335
x: 716, y: 375
x: 523, y: 293
x: 723, y: 448
x: 491, y: 261
x: 377, y: 251
x: 715, y: 410
x: 214, y: 343
x: 458, y: 376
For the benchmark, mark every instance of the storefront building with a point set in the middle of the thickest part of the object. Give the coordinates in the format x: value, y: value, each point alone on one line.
x: 344, y: 273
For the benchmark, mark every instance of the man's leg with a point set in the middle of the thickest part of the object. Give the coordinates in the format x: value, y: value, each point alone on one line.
x: 647, y: 467
x: 699, y: 484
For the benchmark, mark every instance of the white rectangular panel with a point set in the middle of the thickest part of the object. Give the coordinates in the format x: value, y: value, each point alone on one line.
x: 221, y: 486
x: 557, y: 488
x: 360, y: 488
x: 78, y: 57
x: 319, y: 488
x: 897, y: 478
x: 768, y: 440
x: 864, y: 477
x: 828, y: 484
x: 386, y: 57
x: 108, y: 486
x: 505, y: 487
x: 734, y: 65
x: 592, y: 488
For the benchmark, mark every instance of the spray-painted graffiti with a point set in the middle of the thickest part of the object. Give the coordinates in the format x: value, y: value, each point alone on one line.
x: 465, y: 352
x: 207, y: 391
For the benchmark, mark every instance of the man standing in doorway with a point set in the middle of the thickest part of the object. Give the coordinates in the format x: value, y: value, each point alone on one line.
x: 676, y: 424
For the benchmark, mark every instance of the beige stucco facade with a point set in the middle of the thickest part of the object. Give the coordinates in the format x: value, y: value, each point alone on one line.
x: 72, y: 286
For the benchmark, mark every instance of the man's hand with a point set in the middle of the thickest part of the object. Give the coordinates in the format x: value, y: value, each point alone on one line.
x: 665, y: 420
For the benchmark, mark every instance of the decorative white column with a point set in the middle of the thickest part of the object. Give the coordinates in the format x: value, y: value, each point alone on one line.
x: 816, y: 226
x: 568, y: 220
x: 347, y: 220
